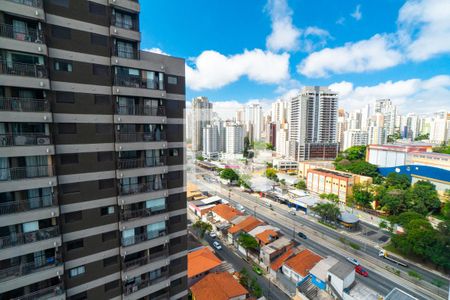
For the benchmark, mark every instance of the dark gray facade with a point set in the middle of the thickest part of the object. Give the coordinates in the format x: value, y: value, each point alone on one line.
x: 92, y: 182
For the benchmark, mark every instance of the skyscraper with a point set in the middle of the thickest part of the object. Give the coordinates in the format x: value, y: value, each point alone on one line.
x: 234, y: 138
x: 254, y: 121
x: 92, y: 198
x: 201, y: 115
x: 210, y: 142
x: 313, y: 124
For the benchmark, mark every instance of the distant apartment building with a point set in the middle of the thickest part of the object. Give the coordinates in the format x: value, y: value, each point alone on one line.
x: 92, y: 196
x: 201, y: 116
x: 281, y: 140
x: 313, y: 124
x: 254, y: 121
x: 440, y: 128
x: 234, y: 138
x: 355, y: 137
x: 210, y: 142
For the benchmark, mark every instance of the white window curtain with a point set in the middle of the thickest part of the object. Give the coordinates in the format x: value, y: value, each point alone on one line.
x: 4, y: 168
x: 33, y: 198
x: 151, y: 80
x: 157, y: 182
x: 154, y: 274
x: 20, y: 30
x: 149, y: 158
x: 36, y: 166
x: 154, y: 230
x: 46, y: 197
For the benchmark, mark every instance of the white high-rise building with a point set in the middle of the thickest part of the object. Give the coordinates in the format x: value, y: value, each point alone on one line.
x: 279, y: 111
x: 439, y: 127
x: 254, y: 121
x: 282, y: 144
x: 234, y: 141
x: 313, y: 124
x: 210, y: 142
x: 375, y: 135
x: 412, y: 126
x: 389, y: 112
x: 201, y: 116
x: 355, y: 137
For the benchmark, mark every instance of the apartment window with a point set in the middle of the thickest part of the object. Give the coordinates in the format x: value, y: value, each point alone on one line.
x: 104, y: 156
x: 111, y: 285
x: 101, y: 99
x: 70, y: 188
x: 63, y: 65
x: 176, y: 282
x: 104, y: 211
x: 107, y: 236
x: 67, y: 159
x: 172, y: 80
x: 175, y: 219
x: 65, y: 97
x: 67, y: 128
x: 105, y: 184
x: 173, y: 152
x: 64, y: 3
x: 73, y: 217
x: 72, y: 245
x: 80, y: 296
x: 103, y: 128
x: 97, y: 9
x: 175, y: 175
x: 77, y: 271
x: 98, y: 39
x: 110, y: 261
x: 100, y: 70
x: 175, y: 241
x: 61, y: 32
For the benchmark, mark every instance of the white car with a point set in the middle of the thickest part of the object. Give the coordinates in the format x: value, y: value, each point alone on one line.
x: 217, y: 245
x: 213, y: 234
x: 353, y: 261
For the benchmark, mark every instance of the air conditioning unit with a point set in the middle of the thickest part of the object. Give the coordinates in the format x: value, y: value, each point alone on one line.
x: 43, y: 141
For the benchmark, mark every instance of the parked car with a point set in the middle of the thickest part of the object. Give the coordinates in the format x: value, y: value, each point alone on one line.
x: 240, y: 207
x: 361, y: 271
x: 353, y: 261
x: 293, y: 212
x: 217, y: 245
x: 213, y: 234
x: 302, y: 235
x: 257, y: 270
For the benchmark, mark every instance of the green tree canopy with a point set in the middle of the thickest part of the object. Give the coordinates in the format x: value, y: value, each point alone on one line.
x: 442, y: 149
x: 202, y: 227
x: 396, y: 180
x: 248, y: 242
x: 362, y: 195
x: 301, y: 185
x: 229, y: 174
x: 271, y: 174
x: 327, y: 211
x: 423, y: 197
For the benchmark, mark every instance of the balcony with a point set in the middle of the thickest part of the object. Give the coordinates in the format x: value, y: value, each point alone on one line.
x: 143, y: 237
x: 129, y: 289
x: 18, y: 173
x: 31, y: 35
x: 134, y: 163
x: 125, y: 24
x: 140, y: 110
x: 18, y: 239
x: 26, y: 205
x: 137, y: 82
x: 125, y: 53
x: 141, y: 188
x: 32, y: 3
x: 44, y: 293
x: 140, y: 137
x: 27, y: 268
x: 24, y: 139
x: 141, y: 261
x: 23, y: 69
x: 142, y: 213
x: 24, y: 104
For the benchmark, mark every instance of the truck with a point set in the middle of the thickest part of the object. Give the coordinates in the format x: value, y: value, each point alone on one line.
x: 386, y: 255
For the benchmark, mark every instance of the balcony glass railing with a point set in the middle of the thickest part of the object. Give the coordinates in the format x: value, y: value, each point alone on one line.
x: 142, y: 284
x: 135, y: 263
x: 138, y: 188
x: 18, y: 239
x: 126, y: 53
x: 132, y: 137
x: 12, y: 207
x: 125, y: 23
x: 45, y: 293
x: 17, y: 173
x: 22, y: 69
x: 24, y: 104
x: 142, y: 212
x: 24, y: 139
x: 143, y: 237
x: 32, y: 3
x: 134, y: 163
x: 137, y: 82
x: 29, y: 35
x: 141, y: 110
x: 27, y: 268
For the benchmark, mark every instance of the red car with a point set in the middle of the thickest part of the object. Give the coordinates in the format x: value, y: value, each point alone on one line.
x: 361, y: 271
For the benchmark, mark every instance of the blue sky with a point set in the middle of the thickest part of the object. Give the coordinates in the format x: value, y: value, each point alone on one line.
x: 241, y: 51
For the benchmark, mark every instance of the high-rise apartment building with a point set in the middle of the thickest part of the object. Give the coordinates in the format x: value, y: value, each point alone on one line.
x: 210, y: 142
x: 389, y: 112
x: 355, y: 137
x: 254, y: 121
x: 201, y: 116
x: 234, y: 134
x: 313, y: 124
x: 92, y: 193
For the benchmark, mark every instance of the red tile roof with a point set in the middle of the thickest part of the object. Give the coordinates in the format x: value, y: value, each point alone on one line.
x: 277, y: 263
x: 217, y: 286
x: 267, y: 236
x: 303, y: 262
x: 225, y: 211
x: 201, y: 260
x: 248, y: 224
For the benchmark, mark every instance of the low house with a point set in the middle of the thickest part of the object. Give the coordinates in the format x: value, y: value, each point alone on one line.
x: 319, y: 273
x: 200, y: 263
x: 298, y: 267
x: 246, y: 225
x: 272, y: 251
x: 266, y: 237
x: 276, y: 265
x: 218, y: 286
x: 340, y: 277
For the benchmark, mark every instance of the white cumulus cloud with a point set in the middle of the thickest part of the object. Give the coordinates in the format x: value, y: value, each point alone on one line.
x: 155, y: 50
x: 213, y: 70
x: 375, y: 53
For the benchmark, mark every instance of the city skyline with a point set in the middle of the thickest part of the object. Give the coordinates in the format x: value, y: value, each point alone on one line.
x: 407, y: 62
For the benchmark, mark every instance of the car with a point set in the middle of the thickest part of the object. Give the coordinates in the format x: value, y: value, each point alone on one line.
x: 361, y: 271
x: 353, y: 261
x: 293, y: 212
x: 302, y: 235
x: 239, y: 207
x: 257, y: 270
x: 217, y: 245
x: 213, y: 234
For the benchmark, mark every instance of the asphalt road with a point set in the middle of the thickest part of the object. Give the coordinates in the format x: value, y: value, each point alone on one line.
x: 375, y: 281
x: 270, y: 291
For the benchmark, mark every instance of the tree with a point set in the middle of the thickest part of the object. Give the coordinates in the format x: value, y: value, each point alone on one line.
x: 247, y: 242
x: 244, y: 181
x: 442, y: 149
x: 400, y: 181
x: 405, y: 218
x: 422, y: 137
x: 246, y: 146
x: 393, y: 201
x: 269, y: 146
x: 200, y: 158
x: 271, y: 174
x: 361, y: 194
x: 353, y: 153
x: 393, y: 137
x: 202, y: 227
x: 423, y: 197
x: 327, y: 211
x: 301, y: 185
x: 229, y: 174
x: 446, y: 210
